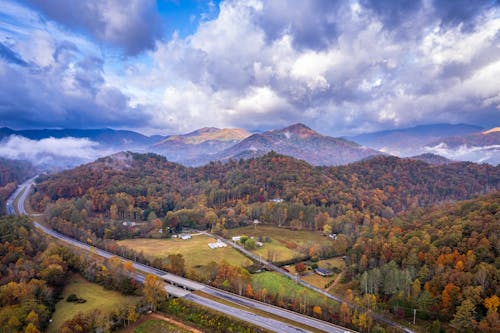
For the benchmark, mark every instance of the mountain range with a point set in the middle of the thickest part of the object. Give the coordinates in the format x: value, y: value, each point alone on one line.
x: 434, y: 144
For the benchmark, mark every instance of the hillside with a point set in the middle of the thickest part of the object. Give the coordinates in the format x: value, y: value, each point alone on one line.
x: 436, y: 260
x: 11, y: 174
x: 301, y: 142
x: 133, y: 186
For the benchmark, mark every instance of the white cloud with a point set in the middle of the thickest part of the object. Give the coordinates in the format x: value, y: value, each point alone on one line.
x: 51, y: 150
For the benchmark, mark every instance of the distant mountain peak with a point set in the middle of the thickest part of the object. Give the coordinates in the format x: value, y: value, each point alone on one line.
x: 493, y: 130
x: 207, y: 134
x: 300, y: 130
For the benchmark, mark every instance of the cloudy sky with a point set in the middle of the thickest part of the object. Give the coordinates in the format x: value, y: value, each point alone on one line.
x: 162, y: 67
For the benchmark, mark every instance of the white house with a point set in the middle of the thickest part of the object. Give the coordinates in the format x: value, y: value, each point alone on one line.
x: 236, y: 238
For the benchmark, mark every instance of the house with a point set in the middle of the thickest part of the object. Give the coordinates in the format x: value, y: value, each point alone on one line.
x: 236, y: 238
x: 276, y: 200
x: 323, y: 272
x: 185, y: 236
x: 259, y: 244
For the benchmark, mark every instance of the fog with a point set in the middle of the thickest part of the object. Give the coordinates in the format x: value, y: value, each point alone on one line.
x: 51, y: 152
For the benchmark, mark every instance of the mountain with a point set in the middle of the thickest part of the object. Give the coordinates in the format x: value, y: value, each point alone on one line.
x: 410, y: 141
x: 105, y: 136
x: 195, y: 148
x: 207, y: 134
x: 301, y: 142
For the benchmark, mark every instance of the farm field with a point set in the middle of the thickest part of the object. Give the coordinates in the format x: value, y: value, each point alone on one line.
x: 285, y: 245
x: 195, y: 250
x: 96, y: 298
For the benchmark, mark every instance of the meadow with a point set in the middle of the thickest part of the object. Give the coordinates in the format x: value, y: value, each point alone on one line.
x: 195, y: 250
x: 96, y: 298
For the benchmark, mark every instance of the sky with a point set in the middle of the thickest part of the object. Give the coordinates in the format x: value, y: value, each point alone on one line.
x: 163, y: 67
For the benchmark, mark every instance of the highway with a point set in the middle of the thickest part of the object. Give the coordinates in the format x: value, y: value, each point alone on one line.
x: 181, y: 287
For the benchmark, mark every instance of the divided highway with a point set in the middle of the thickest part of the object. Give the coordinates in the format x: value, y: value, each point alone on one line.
x: 181, y: 287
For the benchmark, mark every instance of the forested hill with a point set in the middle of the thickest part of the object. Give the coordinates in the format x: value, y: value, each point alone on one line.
x: 132, y: 186
x: 12, y: 172
x: 442, y: 261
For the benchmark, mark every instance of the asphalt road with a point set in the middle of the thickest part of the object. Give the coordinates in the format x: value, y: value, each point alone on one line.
x: 179, y: 282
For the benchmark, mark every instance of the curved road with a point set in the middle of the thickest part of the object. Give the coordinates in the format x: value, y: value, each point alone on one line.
x: 240, y: 302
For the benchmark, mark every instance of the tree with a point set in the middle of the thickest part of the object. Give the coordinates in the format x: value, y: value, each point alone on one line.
x: 176, y: 264
x: 250, y: 244
x: 345, y: 313
x: 31, y: 328
x: 492, y: 303
x: 463, y: 320
x: 490, y: 323
x: 132, y: 314
x: 318, y: 312
x: 153, y: 290
x: 300, y: 267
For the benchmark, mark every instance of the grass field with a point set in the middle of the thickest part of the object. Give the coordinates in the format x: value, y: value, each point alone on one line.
x: 158, y: 326
x: 195, y: 250
x: 281, y: 237
x: 317, y: 280
x: 332, y: 263
x: 97, y: 298
x: 278, y: 284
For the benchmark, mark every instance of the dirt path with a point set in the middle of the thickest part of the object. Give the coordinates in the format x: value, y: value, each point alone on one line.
x: 144, y: 318
x: 337, y: 279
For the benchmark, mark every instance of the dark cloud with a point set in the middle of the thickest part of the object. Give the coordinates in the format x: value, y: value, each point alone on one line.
x: 11, y: 56
x: 393, y: 13
x: 69, y: 92
x: 311, y: 23
x: 133, y: 25
x: 461, y: 11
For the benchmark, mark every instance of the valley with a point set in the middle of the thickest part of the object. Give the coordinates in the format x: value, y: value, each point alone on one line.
x: 307, y: 235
